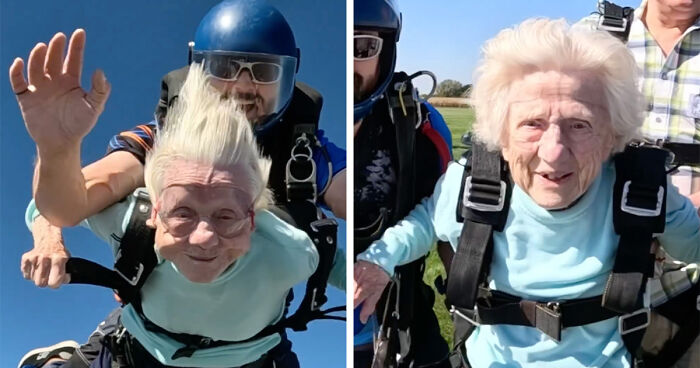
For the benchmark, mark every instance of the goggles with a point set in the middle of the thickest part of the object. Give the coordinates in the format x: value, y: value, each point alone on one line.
x: 183, y: 221
x: 366, y: 47
x: 226, y: 67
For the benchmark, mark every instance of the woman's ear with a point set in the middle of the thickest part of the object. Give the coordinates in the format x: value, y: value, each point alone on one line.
x: 151, y: 221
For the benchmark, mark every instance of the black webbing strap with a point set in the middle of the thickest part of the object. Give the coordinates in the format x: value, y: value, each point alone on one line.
x: 386, y: 341
x: 548, y: 317
x: 485, y: 203
x: 404, y: 111
x: 616, y: 20
x: 683, y: 310
x: 639, y: 211
x: 301, y: 205
x: 135, y: 258
x: 684, y: 153
x: 192, y: 343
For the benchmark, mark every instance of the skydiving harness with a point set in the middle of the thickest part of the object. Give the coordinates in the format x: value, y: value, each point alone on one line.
x: 615, y: 19
x: 395, y: 308
x: 639, y: 211
x: 136, y: 258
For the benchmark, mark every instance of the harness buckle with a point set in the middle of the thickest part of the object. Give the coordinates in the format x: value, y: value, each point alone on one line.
x: 131, y: 280
x: 634, y: 321
x: 301, y: 159
x: 612, y: 17
x: 612, y: 24
x: 455, y: 311
x: 641, y: 211
x: 486, y: 189
x: 548, y: 319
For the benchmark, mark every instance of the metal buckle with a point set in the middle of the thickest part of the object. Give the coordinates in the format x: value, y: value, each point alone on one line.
x: 483, y: 206
x: 454, y: 310
x: 548, y: 319
x: 611, y: 28
x: 623, y: 318
x: 134, y: 280
x: 645, y: 212
x: 302, y: 143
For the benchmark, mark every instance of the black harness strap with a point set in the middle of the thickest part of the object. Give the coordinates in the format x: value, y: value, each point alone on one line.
x: 396, y: 305
x: 684, y: 153
x: 135, y: 259
x: 639, y: 211
x: 485, y: 200
x: 616, y: 20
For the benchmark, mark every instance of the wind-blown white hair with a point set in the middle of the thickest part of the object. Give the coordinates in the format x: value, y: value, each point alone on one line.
x: 204, y: 127
x: 552, y: 45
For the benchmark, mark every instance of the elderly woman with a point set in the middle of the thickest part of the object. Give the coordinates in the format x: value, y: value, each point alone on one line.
x: 559, y: 104
x: 225, y: 264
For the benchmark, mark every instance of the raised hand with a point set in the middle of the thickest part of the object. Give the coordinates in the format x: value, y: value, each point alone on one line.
x: 56, y: 110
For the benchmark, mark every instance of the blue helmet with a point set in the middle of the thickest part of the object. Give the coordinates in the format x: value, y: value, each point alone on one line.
x: 380, y: 16
x: 236, y: 36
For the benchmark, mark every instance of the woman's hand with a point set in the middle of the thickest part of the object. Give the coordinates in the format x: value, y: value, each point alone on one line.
x: 46, y: 263
x: 370, y: 281
x: 56, y: 110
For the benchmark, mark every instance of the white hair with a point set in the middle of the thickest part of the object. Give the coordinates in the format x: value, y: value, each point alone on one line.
x: 552, y: 45
x: 204, y: 127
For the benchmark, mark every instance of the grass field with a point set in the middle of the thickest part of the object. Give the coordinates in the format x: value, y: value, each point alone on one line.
x: 459, y: 120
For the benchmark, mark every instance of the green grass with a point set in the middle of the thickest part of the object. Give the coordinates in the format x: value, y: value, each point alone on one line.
x: 459, y: 120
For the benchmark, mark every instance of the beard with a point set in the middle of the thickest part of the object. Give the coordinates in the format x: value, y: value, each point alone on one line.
x: 358, y: 94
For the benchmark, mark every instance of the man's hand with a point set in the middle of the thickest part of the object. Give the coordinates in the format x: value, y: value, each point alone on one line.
x: 370, y: 281
x: 56, y: 110
x: 46, y: 263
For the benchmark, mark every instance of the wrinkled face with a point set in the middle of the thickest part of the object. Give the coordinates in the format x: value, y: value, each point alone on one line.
x: 257, y: 100
x: 557, y: 135
x: 203, y: 219
x: 365, y: 73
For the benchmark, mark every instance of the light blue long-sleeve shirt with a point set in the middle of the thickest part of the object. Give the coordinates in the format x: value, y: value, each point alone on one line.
x: 244, y: 299
x: 543, y: 255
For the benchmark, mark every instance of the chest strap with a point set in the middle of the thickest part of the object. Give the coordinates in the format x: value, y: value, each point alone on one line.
x: 549, y: 317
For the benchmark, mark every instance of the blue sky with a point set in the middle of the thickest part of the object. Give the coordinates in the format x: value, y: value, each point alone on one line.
x: 445, y: 36
x: 135, y: 43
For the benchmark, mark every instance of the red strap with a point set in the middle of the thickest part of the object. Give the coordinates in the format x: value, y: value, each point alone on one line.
x: 439, y: 142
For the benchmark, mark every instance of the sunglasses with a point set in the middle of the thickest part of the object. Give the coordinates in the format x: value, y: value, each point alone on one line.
x: 366, y: 47
x: 226, y: 68
x: 183, y: 221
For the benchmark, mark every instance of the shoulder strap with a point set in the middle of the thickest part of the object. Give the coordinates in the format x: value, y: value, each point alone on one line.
x: 404, y: 113
x: 485, y: 201
x: 135, y: 259
x: 639, y: 212
x: 484, y: 206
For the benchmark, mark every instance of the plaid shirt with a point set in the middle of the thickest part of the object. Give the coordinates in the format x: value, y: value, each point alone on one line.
x: 671, y: 87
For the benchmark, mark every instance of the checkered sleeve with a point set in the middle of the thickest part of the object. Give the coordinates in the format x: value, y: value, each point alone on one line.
x: 137, y: 140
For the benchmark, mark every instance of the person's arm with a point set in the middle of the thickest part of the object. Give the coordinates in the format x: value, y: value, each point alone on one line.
x: 335, y: 195
x: 58, y: 113
x: 681, y: 236
x: 45, y: 264
x: 408, y: 240
x: 337, y: 275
